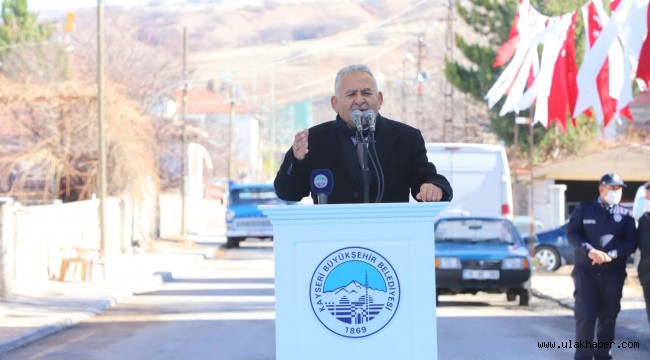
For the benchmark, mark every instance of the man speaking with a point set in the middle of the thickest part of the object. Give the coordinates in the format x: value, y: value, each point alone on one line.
x: 371, y: 158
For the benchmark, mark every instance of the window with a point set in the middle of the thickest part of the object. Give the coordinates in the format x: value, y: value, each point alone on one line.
x: 475, y: 230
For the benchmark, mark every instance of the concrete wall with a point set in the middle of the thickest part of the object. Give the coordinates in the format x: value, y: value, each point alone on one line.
x: 7, y: 235
x: 35, y: 238
x: 205, y: 216
x: 549, y: 202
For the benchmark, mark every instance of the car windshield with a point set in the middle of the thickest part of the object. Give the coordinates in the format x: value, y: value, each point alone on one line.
x: 475, y: 230
x: 253, y: 195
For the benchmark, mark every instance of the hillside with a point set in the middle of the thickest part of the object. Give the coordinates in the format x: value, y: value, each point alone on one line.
x: 275, y: 53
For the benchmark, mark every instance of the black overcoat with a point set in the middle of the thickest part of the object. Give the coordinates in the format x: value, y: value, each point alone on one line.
x: 401, y: 152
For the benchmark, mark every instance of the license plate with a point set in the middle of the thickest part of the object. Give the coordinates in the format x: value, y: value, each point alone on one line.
x: 469, y: 274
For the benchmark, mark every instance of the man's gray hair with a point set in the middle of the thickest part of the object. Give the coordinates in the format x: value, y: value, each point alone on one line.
x: 352, y: 69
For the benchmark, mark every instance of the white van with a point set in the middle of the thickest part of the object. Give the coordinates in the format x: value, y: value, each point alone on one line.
x: 479, y: 175
x: 638, y: 206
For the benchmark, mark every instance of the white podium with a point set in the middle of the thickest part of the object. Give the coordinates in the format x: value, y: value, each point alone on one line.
x: 355, y: 281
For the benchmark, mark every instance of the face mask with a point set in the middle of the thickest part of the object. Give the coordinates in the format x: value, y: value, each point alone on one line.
x: 647, y: 205
x: 613, y: 197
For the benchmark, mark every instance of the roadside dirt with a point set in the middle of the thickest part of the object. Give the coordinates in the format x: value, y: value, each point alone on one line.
x: 631, y: 282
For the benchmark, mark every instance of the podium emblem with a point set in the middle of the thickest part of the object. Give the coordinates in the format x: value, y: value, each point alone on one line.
x: 354, y: 292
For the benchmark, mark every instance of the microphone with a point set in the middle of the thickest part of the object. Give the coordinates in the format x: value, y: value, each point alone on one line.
x: 356, y: 118
x: 369, y: 117
x: 321, y: 183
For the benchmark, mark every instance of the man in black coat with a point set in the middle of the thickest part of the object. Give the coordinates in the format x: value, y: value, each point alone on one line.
x: 603, y: 234
x: 644, y: 248
x: 399, y: 148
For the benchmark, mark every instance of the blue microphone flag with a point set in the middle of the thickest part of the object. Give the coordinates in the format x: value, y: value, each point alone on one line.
x: 321, y: 181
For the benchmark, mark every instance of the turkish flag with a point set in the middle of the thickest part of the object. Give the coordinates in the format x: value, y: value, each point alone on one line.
x: 507, y: 50
x: 564, y: 89
x: 608, y: 104
x: 643, y: 69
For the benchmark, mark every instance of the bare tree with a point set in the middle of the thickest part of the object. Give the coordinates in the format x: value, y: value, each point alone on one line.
x: 53, y: 152
x: 147, y: 73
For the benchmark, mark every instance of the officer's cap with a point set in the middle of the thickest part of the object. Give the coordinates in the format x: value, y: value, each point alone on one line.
x: 612, y: 179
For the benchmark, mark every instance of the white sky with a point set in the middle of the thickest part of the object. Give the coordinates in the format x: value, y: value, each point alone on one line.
x: 68, y: 5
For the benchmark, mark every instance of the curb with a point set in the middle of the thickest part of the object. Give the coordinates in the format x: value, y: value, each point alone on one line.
x: 76, y: 317
x: 563, y: 303
x: 631, y: 332
x: 41, y: 332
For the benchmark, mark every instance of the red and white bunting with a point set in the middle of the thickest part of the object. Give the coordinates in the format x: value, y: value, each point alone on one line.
x: 615, y: 49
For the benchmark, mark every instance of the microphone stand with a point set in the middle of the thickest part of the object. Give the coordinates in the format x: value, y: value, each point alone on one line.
x: 365, y: 169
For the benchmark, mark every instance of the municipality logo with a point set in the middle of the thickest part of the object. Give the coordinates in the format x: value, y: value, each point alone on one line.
x: 320, y: 181
x: 354, y: 292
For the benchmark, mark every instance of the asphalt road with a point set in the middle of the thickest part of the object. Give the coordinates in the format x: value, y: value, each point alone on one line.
x: 223, y: 308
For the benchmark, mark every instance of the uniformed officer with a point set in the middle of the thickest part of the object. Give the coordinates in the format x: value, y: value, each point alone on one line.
x: 603, y: 234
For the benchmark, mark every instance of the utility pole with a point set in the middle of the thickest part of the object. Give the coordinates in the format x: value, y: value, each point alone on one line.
x: 184, y: 134
x: 273, y: 120
x: 448, y: 117
x: 515, y: 140
x: 101, y: 171
x: 403, y: 102
x: 231, y: 131
x: 532, y: 186
x: 420, y: 80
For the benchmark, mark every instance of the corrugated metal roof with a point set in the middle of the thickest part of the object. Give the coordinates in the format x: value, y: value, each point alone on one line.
x: 630, y: 161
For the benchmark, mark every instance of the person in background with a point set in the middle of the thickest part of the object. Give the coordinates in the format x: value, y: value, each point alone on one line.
x: 644, y: 248
x: 331, y: 145
x: 603, y: 234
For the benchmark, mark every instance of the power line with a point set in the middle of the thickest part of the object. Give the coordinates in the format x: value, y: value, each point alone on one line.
x: 331, y: 45
x: 25, y: 44
x: 304, y: 84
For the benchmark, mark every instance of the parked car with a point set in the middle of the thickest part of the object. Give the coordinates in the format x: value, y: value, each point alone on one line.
x: 481, y: 254
x: 552, y: 249
x: 243, y: 219
x: 522, y: 223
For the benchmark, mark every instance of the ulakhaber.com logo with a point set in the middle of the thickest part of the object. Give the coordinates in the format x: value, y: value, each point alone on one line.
x: 354, y: 292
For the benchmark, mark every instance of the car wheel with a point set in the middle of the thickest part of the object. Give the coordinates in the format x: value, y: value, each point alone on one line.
x: 548, y: 258
x: 511, y: 296
x: 233, y: 242
x: 524, y: 297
